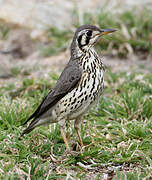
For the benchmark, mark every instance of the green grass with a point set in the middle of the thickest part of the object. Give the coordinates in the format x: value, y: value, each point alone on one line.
x: 4, y: 30
x: 118, y: 137
x: 59, y: 41
x: 133, y: 36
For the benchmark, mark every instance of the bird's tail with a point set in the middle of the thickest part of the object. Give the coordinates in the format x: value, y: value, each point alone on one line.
x: 32, y: 126
x: 35, y: 123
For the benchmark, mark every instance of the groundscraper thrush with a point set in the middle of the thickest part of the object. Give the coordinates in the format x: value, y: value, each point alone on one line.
x: 79, y: 86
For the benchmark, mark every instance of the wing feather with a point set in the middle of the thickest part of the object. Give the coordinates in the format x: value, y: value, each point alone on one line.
x: 67, y: 81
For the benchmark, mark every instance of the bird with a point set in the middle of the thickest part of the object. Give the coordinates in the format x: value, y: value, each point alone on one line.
x: 79, y: 86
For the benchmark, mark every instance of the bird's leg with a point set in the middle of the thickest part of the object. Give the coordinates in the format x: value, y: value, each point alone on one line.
x: 77, y: 124
x: 61, y: 126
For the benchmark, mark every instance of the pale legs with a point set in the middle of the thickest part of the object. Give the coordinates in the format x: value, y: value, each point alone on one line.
x: 77, y: 124
x: 61, y: 126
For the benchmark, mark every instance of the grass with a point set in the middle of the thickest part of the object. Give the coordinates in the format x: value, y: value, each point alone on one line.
x: 118, y: 137
x: 4, y: 30
x: 134, y: 34
x: 59, y: 41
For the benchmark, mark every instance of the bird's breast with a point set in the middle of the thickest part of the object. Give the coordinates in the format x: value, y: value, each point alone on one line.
x: 87, y: 91
x: 92, y: 80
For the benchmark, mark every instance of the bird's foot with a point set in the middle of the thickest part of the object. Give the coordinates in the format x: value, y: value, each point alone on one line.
x: 80, y: 148
x: 70, y: 152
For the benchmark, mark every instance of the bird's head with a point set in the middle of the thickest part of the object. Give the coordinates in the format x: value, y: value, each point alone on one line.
x: 87, y: 35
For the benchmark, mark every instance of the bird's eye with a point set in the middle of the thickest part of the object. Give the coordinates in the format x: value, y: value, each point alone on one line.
x: 89, y: 33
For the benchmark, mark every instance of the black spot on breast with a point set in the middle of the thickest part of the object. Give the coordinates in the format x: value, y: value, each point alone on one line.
x: 74, y: 94
x: 93, y: 85
x: 84, y: 64
x: 81, y: 87
x: 102, y: 80
x: 85, y: 82
x: 73, y: 101
x: 80, y: 96
x: 86, y: 97
x: 75, y: 106
x: 89, y: 54
x: 82, y: 100
x: 88, y: 77
x: 94, y: 65
x: 98, y: 86
x: 76, y: 89
x: 94, y: 94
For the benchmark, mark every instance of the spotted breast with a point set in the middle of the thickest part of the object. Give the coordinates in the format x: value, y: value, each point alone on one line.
x: 87, y: 92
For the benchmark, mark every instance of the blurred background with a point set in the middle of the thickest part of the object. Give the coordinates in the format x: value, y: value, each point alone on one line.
x: 35, y: 37
x: 36, y: 33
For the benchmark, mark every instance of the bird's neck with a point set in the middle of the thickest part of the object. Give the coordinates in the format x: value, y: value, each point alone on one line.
x: 86, y: 57
x: 90, y: 61
x: 77, y: 53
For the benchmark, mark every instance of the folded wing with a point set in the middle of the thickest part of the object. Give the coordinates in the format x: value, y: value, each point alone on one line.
x: 68, y: 80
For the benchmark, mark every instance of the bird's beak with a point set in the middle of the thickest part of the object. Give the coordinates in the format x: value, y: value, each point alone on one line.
x: 106, y: 31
